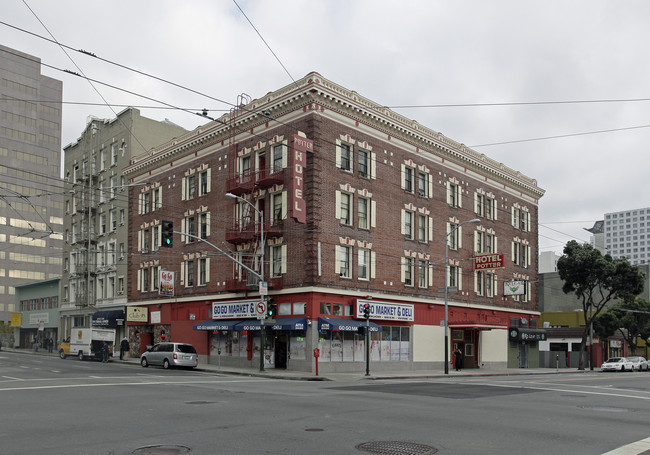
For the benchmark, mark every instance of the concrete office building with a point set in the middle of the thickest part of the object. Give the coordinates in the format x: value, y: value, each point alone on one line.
x: 95, y: 280
x: 335, y: 202
x: 627, y: 234
x: 31, y: 207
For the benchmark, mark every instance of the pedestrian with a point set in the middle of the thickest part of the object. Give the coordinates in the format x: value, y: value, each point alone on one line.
x: 105, y: 352
x: 50, y: 345
x: 36, y: 343
x: 458, y: 358
x: 124, y: 348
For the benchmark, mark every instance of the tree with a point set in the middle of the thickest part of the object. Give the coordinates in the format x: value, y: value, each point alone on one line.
x: 630, y: 318
x: 596, y: 280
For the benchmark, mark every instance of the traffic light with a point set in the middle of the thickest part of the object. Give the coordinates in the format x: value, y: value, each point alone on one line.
x: 167, y: 240
x: 272, y: 310
x: 366, y: 310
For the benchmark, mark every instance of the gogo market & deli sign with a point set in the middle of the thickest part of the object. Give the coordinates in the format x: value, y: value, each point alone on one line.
x: 385, y: 310
x: 234, y: 309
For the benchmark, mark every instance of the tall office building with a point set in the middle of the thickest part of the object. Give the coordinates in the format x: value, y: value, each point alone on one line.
x: 31, y: 207
x: 627, y: 234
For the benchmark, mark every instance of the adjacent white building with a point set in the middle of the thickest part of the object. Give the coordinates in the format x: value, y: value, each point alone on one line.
x: 627, y: 234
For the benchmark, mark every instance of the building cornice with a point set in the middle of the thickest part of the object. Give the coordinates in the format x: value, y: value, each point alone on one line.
x: 313, y: 93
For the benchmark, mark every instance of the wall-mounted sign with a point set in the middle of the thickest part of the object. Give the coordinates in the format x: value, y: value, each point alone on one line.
x: 514, y: 287
x: 386, y: 310
x: 489, y: 261
x: 137, y: 314
x: 235, y: 309
x: 300, y: 145
x: 520, y: 334
x: 166, y: 283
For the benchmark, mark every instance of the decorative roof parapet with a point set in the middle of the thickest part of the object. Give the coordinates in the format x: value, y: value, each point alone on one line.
x: 314, y: 87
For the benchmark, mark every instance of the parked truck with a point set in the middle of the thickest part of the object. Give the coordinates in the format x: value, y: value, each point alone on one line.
x: 87, y: 343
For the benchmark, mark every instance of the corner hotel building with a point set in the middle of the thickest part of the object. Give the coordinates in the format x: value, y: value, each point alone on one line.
x: 355, y: 203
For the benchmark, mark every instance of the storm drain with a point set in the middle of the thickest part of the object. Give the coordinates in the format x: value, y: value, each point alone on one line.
x: 396, y: 448
x: 161, y: 450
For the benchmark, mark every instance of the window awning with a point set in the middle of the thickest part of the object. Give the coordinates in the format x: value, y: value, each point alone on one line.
x: 345, y: 325
x: 109, y: 318
x: 290, y: 324
x: 218, y: 324
x: 248, y: 324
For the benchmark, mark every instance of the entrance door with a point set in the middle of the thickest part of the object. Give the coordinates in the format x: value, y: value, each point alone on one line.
x: 523, y: 355
x: 281, y: 350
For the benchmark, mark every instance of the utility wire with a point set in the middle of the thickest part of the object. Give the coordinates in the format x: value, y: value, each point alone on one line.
x: 264, y: 41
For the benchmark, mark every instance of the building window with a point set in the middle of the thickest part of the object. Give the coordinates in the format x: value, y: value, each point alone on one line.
x: 277, y: 153
x: 114, y: 150
x: 407, y: 224
x: 515, y: 217
x: 453, y: 236
x: 204, y: 271
x: 155, y: 237
x: 407, y: 271
x: 479, y: 241
x: 204, y: 182
x: 345, y: 209
x: 424, y: 272
x: 363, y: 266
x: 454, y: 278
x: 278, y: 260
x: 189, y: 228
x: 423, y: 184
x: 479, y: 280
x: 363, y: 212
x: 278, y: 207
x: 490, y: 243
x: 364, y: 168
x: 423, y: 228
x: 453, y: 194
x: 189, y: 273
x: 345, y: 157
x: 191, y: 186
x: 408, y: 179
x: 345, y: 261
x: 204, y: 225
x: 146, y: 203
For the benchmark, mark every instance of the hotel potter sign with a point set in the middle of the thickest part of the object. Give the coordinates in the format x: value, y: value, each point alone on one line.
x: 300, y: 145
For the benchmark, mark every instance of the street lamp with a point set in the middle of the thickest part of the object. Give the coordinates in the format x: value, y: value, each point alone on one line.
x: 475, y: 220
x: 260, y: 276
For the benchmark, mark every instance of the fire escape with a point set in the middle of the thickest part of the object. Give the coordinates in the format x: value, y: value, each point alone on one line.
x: 251, y: 176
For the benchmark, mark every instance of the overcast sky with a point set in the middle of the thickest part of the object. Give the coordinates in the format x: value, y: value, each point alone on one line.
x: 407, y: 53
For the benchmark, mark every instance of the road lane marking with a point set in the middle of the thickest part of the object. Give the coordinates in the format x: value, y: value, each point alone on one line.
x: 634, y: 448
x: 117, y: 384
x: 12, y: 378
x: 551, y: 389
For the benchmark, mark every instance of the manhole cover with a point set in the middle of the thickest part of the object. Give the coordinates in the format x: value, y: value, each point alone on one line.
x: 396, y: 448
x: 161, y: 450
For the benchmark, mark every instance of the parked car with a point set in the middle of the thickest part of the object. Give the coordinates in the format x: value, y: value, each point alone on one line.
x: 170, y: 355
x: 617, y: 364
x: 639, y: 363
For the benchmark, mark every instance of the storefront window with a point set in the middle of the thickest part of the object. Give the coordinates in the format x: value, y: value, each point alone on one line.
x: 300, y: 308
x: 284, y: 308
x: 392, y: 344
x: 298, y: 345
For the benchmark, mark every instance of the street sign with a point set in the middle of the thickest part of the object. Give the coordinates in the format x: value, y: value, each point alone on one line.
x: 264, y: 288
x: 489, y: 261
x: 260, y: 310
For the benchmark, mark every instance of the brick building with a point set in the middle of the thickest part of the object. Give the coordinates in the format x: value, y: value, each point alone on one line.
x: 355, y: 203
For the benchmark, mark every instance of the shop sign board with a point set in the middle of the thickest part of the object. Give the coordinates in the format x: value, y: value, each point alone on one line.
x: 386, y: 310
x: 166, y: 287
x: 136, y: 314
x: 238, y: 309
x: 514, y: 287
x: 521, y: 334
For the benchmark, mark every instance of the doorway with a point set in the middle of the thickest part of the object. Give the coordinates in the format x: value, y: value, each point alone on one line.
x: 281, y: 350
x: 523, y: 355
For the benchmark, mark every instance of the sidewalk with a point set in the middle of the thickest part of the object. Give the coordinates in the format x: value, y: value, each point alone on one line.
x: 339, y: 377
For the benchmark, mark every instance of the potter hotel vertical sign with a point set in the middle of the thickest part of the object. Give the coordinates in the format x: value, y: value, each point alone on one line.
x: 300, y: 146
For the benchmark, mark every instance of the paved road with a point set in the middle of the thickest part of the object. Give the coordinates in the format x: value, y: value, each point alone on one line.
x: 58, y: 406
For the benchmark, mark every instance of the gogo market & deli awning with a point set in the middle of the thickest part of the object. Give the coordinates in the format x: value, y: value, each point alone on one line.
x: 345, y: 325
x: 216, y: 324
